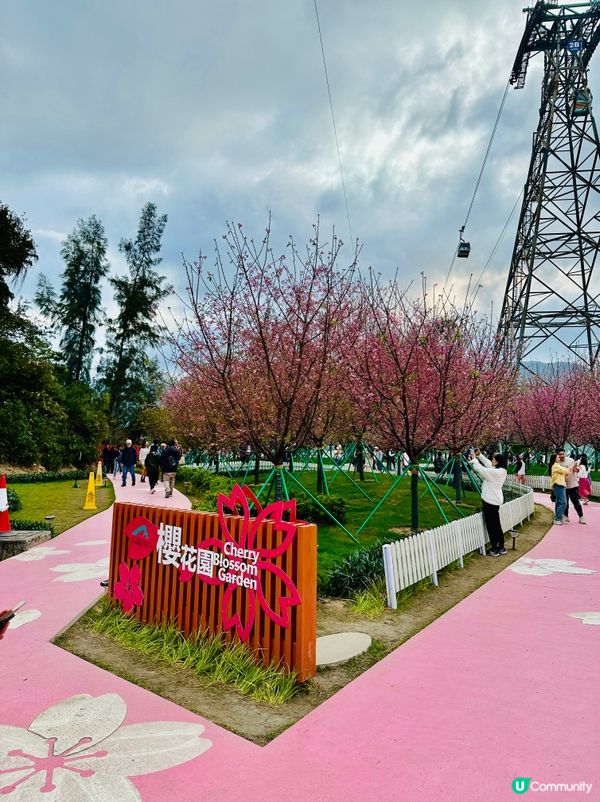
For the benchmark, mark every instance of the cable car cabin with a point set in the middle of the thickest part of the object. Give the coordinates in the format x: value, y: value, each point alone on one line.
x: 582, y: 104
x: 464, y: 249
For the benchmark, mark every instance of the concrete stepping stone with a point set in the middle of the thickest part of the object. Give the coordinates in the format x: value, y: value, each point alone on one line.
x: 342, y: 646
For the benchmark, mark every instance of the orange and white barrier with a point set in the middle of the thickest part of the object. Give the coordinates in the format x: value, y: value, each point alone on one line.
x: 4, y: 515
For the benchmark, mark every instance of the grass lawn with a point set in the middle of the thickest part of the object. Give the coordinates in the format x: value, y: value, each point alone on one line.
x: 334, y: 544
x: 61, y: 499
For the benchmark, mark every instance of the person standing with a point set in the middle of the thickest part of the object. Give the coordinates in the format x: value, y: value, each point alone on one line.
x: 144, y: 451
x: 106, y: 459
x: 169, y: 462
x: 572, y: 486
x: 128, y: 461
x: 493, y: 474
x: 117, y: 460
x: 152, y: 466
x: 520, y: 469
x: 585, y: 486
x: 558, y: 482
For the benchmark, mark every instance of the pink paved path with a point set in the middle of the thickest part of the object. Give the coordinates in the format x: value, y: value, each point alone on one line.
x: 504, y: 685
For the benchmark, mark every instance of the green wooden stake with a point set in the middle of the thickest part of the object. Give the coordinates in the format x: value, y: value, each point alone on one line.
x: 433, y: 496
x: 397, y: 480
x: 266, y: 482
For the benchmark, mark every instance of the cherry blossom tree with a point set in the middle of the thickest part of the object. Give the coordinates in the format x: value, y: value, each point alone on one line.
x: 548, y: 410
x: 259, y: 338
x: 427, y: 370
x: 480, y: 393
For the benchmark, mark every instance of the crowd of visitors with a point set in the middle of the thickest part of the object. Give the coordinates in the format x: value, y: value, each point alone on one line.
x: 150, y: 459
x: 566, y: 475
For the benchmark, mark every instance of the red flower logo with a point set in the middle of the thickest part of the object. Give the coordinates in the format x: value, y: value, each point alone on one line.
x: 142, y: 535
x: 242, y: 555
x: 128, y: 589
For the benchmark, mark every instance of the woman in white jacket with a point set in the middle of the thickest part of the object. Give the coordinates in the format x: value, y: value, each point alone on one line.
x: 493, y: 474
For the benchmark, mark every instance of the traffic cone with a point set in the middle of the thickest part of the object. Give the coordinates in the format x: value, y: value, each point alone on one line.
x: 4, y: 516
x: 90, y: 494
x: 99, y: 479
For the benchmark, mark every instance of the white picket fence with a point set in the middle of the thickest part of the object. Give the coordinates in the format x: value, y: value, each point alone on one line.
x: 543, y: 483
x: 414, y: 558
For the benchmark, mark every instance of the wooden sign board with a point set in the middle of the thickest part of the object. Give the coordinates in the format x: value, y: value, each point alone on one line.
x: 254, y: 578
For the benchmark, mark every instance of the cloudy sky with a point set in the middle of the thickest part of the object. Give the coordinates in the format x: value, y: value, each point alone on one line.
x: 219, y: 111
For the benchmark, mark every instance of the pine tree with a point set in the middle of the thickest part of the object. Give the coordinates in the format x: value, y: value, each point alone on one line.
x: 77, y: 311
x: 135, y: 328
x: 17, y: 255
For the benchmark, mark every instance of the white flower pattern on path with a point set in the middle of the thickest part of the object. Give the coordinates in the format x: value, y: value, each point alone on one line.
x: 78, y: 572
x: 91, y: 542
x: 56, y: 760
x: 545, y: 567
x: 26, y: 617
x: 588, y: 618
x: 39, y: 553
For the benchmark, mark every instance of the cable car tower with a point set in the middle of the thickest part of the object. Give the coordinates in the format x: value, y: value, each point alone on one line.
x: 550, y: 296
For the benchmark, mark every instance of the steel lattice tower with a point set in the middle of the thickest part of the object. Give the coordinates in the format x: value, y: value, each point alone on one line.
x: 550, y: 296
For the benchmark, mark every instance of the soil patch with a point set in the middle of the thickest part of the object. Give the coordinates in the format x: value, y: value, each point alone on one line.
x: 261, y: 722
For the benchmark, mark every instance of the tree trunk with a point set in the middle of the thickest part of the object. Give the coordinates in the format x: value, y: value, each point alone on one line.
x: 278, y: 483
x: 359, y: 457
x: 320, y: 477
x: 457, y: 478
x: 414, y: 497
x: 256, y: 468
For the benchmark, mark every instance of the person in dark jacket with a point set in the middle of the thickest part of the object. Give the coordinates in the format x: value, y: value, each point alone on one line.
x: 169, y: 462
x: 152, y: 465
x: 128, y: 461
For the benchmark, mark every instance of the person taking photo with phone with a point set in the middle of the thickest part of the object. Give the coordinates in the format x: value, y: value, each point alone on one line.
x: 493, y: 475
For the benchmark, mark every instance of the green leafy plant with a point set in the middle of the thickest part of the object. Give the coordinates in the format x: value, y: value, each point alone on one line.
x: 14, y: 502
x: 307, y: 510
x: 199, y: 478
x: 44, y: 476
x: 371, y: 602
x: 212, y: 658
x: 25, y: 525
x: 355, y: 572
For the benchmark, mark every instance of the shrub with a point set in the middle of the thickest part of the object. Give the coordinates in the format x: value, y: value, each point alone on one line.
x: 206, y: 485
x: 219, y: 484
x: 14, y: 502
x: 307, y: 510
x: 25, y: 524
x: 199, y: 478
x: 356, y: 572
x: 45, y: 476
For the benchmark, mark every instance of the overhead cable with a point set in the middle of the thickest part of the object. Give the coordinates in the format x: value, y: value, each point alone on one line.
x: 337, y: 143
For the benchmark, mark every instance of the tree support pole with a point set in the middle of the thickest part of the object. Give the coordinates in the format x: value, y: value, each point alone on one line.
x: 325, y: 510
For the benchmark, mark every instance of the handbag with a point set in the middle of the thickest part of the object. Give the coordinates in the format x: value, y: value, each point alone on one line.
x: 552, y: 494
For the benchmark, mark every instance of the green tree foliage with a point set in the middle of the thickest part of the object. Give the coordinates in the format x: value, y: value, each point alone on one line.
x: 126, y: 372
x: 43, y: 419
x: 77, y: 312
x: 33, y: 420
x: 17, y: 251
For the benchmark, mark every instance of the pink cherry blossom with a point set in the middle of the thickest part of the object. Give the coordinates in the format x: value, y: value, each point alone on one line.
x: 128, y: 589
x: 237, y: 505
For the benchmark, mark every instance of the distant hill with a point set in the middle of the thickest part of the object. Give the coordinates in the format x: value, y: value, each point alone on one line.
x: 546, y: 370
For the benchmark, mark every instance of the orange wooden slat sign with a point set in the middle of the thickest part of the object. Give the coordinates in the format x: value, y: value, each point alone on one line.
x: 196, y: 605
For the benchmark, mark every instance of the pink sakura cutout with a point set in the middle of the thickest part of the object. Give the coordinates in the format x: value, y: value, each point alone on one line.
x: 127, y: 590
x: 274, y: 512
